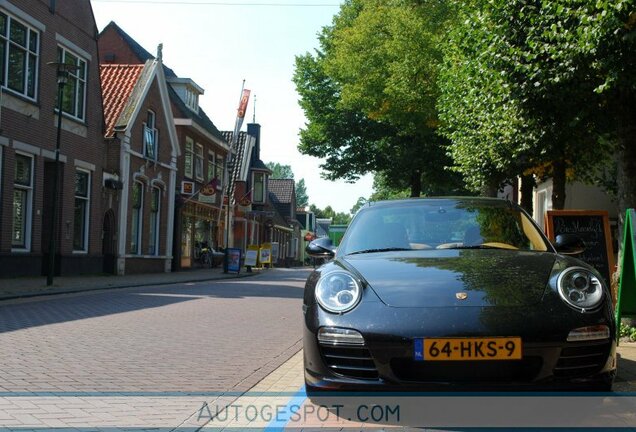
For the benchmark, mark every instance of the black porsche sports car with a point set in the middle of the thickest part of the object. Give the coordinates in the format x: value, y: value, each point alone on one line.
x: 447, y: 293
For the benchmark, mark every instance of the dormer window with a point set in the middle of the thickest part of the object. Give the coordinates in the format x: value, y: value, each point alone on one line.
x: 192, y: 100
x: 259, y: 183
x: 188, y: 92
x: 151, y: 136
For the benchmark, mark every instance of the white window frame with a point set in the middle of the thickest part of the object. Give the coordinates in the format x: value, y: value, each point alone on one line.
x: 27, y: 221
x: 79, y: 76
x: 220, y: 174
x: 32, y: 58
x: 151, y: 136
x: 211, y: 173
x: 139, y: 214
x: 155, y: 223
x: 87, y: 212
x: 188, y: 169
x: 198, y: 162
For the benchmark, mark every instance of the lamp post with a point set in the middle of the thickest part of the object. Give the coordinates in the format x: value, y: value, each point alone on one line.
x: 62, y: 70
x: 226, y: 256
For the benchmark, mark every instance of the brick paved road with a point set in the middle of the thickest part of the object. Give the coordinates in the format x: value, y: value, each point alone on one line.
x: 102, y: 359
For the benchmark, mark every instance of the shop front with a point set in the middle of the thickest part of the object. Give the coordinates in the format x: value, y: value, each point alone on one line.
x: 199, y: 226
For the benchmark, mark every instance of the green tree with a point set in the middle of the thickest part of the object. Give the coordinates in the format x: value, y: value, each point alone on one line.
x: 369, y: 93
x: 280, y: 171
x: 361, y: 201
x: 539, y: 88
x: 329, y: 213
x: 302, y: 200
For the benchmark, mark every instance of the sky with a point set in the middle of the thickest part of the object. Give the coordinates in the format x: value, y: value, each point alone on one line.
x: 220, y: 43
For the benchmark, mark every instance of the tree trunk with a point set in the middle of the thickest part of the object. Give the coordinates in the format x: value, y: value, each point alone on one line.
x: 489, y: 188
x: 416, y: 183
x: 558, y: 185
x: 527, y: 192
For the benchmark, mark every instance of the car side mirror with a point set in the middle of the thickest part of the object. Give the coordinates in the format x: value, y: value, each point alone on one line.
x: 321, y: 248
x: 569, y: 244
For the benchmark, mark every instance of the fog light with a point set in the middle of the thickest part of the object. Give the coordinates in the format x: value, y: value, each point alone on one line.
x: 339, y: 336
x: 589, y: 333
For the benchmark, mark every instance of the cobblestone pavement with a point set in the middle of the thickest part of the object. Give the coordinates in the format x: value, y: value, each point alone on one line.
x: 146, y: 357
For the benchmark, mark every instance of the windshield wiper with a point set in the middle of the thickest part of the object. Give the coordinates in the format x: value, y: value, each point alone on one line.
x: 379, y: 250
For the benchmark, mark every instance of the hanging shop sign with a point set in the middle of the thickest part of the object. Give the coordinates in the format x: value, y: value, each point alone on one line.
x: 187, y: 187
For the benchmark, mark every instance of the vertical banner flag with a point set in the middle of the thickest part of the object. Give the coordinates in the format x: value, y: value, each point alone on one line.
x: 240, y: 115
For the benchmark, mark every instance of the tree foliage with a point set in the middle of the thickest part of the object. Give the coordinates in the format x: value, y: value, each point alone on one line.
x: 525, y: 87
x: 369, y: 93
x: 280, y: 171
x: 337, y: 218
x: 302, y: 199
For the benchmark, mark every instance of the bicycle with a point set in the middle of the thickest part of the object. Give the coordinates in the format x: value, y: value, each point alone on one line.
x: 203, y: 255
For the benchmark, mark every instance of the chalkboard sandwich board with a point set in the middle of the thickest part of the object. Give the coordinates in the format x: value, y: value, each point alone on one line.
x: 592, y: 226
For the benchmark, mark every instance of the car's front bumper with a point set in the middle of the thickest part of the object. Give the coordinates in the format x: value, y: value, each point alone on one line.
x: 386, y: 361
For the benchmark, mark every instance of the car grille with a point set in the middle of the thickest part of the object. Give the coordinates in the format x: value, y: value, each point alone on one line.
x: 524, y: 370
x: 581, y: 359
x: 349, y: 361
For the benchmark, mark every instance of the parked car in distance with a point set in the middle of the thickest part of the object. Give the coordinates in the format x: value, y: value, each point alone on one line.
x: 455, y: 293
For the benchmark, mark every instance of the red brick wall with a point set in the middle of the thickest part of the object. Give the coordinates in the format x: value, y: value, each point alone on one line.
x: 114, y: 49
x: 74, y: 21
x: 152, y: 170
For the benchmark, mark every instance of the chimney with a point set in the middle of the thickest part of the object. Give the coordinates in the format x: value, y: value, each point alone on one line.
x: 254, y: 129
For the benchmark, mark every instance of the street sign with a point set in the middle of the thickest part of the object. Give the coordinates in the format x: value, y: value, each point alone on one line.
x: 626, y: 302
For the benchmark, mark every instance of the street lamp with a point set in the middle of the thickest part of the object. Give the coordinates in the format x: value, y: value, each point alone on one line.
x: 63, y: 70
x: 226, y: 256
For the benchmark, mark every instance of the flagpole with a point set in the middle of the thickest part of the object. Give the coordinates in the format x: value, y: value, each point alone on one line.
x: 229, y: 166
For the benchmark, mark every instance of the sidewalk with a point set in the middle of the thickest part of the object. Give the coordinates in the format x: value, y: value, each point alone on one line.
x: 22, y: 287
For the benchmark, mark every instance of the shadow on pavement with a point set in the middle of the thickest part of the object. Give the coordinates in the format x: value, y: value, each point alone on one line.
x: 64, y: 308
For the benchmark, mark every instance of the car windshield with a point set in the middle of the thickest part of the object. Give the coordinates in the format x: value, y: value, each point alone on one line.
x: 441, y: 224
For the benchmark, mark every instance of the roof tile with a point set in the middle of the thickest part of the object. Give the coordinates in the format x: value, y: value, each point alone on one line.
x: 281, y: 190
x: 118, y: 82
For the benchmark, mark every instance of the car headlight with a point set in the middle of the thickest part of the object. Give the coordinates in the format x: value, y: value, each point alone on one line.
x: 338, y: 292
x: 580, y: 288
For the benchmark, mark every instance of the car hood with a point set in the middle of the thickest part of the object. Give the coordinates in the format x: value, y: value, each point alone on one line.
x: 440, y: 278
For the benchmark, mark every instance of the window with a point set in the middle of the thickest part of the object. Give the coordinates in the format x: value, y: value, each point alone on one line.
x: 22, y: 202
x: 74, y: 98
x: 259, y: 188
x: 19, y: 48
x: 150, y: 136
x: 153, y: 244
x: 192, y: 100
x: 137, y: 208
x: 211, y: 166
x: 219, y: 169
x: 198, y: 163
x: 189, y: 157
x: 82, y: 206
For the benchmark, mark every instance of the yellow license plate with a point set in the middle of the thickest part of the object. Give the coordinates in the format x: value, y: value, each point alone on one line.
x: 492, y: 348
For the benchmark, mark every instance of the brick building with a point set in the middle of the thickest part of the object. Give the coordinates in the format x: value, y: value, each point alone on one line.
x: 200, y: 179
x: 140, y: 168
x: 34, y: 33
